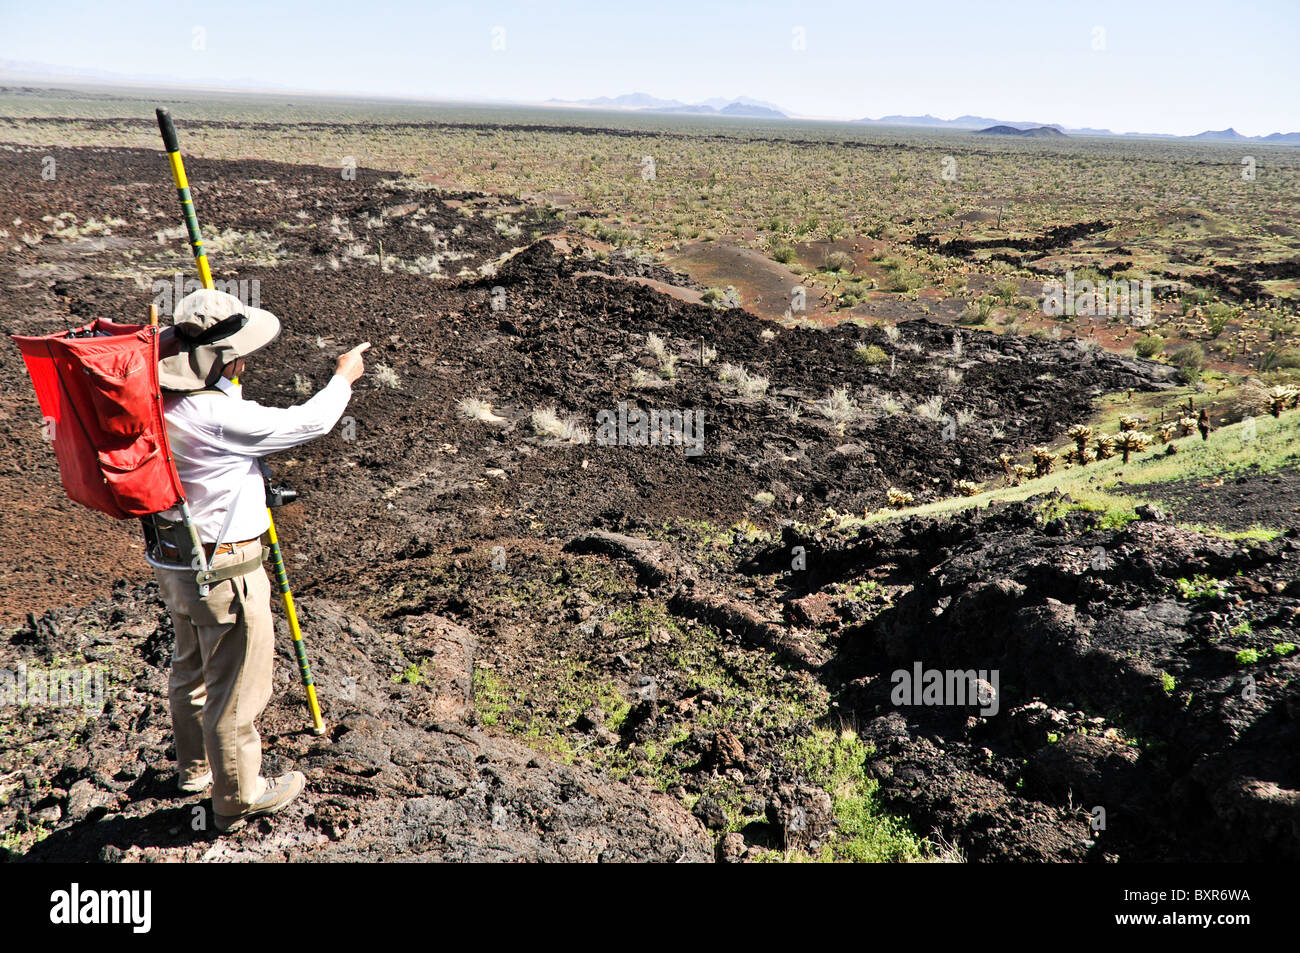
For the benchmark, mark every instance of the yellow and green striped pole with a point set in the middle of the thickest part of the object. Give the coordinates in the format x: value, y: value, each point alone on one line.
x: 172, y: 144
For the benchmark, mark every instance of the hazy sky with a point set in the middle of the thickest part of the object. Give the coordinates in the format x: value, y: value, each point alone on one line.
x: 1179, y: 67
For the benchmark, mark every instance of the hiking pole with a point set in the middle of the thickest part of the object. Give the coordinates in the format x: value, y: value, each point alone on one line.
x: 172, y: 145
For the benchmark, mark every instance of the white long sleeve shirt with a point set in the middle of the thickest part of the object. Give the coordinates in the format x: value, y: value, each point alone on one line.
x: 216, y: 440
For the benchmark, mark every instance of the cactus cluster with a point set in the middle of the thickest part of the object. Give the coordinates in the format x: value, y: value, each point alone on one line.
x: 1282, y: 398
x: 898, y: 498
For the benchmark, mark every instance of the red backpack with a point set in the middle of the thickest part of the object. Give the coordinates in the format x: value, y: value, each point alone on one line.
x: 98, y: 390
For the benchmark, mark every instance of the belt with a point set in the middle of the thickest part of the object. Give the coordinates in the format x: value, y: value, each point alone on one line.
x: 207, y: 576
x: 226, y: 547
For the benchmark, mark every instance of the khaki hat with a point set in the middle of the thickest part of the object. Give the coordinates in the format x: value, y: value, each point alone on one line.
x: 211, y: 329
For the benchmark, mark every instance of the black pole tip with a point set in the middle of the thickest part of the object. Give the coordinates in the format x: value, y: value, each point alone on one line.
x: 168, y: 130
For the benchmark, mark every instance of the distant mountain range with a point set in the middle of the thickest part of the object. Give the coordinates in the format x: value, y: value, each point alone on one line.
x: 1232, y: 135
x: 740, y: 106
x: 985, y: 124
x: 1034, y: 132
x: 757, y: 109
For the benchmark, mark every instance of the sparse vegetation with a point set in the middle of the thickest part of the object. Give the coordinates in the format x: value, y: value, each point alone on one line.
x: 547, y: 422
x: 471, y: 408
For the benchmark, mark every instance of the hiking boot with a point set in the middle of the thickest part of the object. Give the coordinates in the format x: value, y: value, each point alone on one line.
x: 278, y: 795
x: 194, y: 785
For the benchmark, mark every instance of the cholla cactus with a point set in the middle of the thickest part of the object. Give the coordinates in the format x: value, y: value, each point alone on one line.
x: 1167, y: 431
x: 1129, y: 422
x: 1080, y: 434
x: 1281, y: 398
x: 1043, y: 460
x: 1186, y: 425
x: 1133, y: 441
x: 1106, y: 446
x: 1006, y: 459
x: 1021, y: 473
x: 898, y: 498
x: 967, y: 488
x: 1087, y: 456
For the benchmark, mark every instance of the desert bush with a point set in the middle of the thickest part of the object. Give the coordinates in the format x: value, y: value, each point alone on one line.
x: 746, y: 384
x: 1149, y: 345
x: 839, y: 261
x: 387, y: 377
x: 1191, y: 299
x: 783, y: 253
x: 888, y: 403
x: 871, y: 355
x: 978, y: 311
x: 839, y: 408
x: 1219, y: 315
x: 659, y: 351
x: 731, y: 373
x: 905, y: 279
x: 1006, y: 289
x: 547, y: 422
x: 931, y: 408
x: 1287, y: 358
x: 855, y: 292
x: 1190, y: 360
x: 471, y: 408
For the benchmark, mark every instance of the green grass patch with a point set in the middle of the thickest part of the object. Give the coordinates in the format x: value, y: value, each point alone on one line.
x: 1275, y: 444
x: 865, y: 832
x: 1256, y: 532
x: 1200, y: 586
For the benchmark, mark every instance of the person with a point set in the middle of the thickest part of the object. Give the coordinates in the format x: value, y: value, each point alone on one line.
x: 222, y: 660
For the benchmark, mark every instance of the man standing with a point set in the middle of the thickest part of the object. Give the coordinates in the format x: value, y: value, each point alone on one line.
x: 222, y: 661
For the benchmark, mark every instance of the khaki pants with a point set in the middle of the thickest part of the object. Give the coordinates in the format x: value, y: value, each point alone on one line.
x: 221, y: 677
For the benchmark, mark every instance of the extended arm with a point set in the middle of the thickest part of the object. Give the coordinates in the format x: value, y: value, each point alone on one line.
x: 250, y: 429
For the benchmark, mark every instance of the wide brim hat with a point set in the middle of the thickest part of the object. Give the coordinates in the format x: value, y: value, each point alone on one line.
x: 211, y: 329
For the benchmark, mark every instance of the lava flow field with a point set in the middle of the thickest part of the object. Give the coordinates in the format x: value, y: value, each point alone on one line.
x: 532, y: 645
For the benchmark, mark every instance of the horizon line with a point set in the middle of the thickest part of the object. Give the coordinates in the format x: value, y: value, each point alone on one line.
x: 110, y: 79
